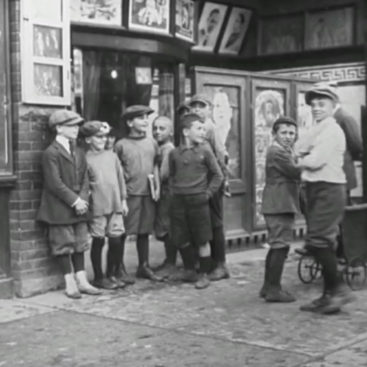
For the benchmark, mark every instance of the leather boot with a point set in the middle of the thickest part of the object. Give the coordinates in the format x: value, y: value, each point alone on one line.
x: 266, y: 283
x: 276, y: 265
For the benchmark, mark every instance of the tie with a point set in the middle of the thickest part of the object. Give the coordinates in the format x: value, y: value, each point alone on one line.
x: 72, y: 148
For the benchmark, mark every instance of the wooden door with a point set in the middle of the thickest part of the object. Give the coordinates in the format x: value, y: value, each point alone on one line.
x: 229, y: 92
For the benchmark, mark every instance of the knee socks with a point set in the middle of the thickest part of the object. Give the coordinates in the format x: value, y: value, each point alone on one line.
x: 113, y: 255
x: 142, y: 246
x: 188, y: 257
x: 96, y: 256
x: 217, y: 245
x: 171, y: 250
x: 77, y: 259
x: 64, y: 262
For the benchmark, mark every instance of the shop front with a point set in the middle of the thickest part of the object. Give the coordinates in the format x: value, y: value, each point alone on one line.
x: 99, y: 57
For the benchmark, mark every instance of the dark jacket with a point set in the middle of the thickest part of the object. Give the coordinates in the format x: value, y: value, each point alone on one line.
x: 64, y: 180
x: 354, y: 146
x: 281, y: 191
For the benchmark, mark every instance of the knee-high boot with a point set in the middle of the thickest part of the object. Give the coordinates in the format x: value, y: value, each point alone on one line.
x: 276, y: 265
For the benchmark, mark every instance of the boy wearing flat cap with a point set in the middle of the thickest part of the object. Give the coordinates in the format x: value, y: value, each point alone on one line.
x: 64, y: 201
x: 138, y: 155
x: 195, y: 177
x: 321, y: 157
x: 280, y: 203
x: 201, y: 106
x: 107, y: 205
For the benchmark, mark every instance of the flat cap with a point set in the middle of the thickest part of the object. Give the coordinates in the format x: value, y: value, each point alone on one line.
x: 183, y: 108
x: 135, y: 111
x: 200, y: 98
x: 64, y: 117
x: 284, y: 120
x: 95, y: 127
x: 187, y: 119
x: 321, y: 90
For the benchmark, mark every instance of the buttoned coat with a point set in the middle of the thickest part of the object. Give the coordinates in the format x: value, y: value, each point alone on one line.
x: 354, y: 146
x: 281, y: 192
x: 65, y: 178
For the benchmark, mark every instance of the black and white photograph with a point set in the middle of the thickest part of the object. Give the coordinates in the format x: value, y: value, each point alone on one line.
x: 108, y: 12
x: 210, y: 24
x: 185, y: 20
x: 183, y: 183
x: 235, y: 31
x: 149, y: 15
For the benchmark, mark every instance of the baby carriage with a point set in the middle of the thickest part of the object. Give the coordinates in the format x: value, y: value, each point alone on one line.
x: 354, y: 249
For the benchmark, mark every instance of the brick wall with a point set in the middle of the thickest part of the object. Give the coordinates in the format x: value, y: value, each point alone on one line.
x: 33, y: 269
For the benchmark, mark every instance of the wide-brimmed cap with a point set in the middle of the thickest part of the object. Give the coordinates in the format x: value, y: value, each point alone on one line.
x: 284, y: 120
x: 200, y: 98
x: 135, y: 111
x: 95, y: 128
x: 64, y: 117
x: 321, y: 90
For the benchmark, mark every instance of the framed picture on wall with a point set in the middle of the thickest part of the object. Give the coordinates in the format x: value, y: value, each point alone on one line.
x: 149, y: 15
x: 235, y: 31
x: 271, y: 100
x: 210, y: 25
x: 281, y: 34
x: 185, y: 20
x: 330, y: 28
x: 96, y: 11
x: 46, y: 51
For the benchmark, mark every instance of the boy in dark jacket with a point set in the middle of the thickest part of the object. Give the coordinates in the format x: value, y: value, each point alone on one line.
x: 279, y: 205
x: 64, y: 201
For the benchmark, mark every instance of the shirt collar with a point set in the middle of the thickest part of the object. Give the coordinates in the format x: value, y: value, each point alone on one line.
x: 65, y: 142
x: 183, y: 147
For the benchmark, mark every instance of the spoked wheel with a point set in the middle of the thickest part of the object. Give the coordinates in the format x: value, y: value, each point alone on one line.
x: 308, y: 269
x: 356, y: 274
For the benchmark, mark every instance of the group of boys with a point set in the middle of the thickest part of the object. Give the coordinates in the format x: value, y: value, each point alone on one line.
x: 136, y: 186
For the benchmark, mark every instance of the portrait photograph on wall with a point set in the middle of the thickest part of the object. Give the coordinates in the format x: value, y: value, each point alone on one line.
x: 235, y: 31
x: 47, y: 41
x: 330, y: 28
x: 149, y: 15
x: 281, y: 34
x: 269, y: 105
x: 107, y: 12
x: 210, y: 24
x: 185, y: 16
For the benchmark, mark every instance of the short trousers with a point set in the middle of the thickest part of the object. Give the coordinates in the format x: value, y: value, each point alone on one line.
x: 325, y: 210
x: 140, y: 219
x: 190, y: 220
x: 280, y: 229
x: 162, y: 217
x: 68, y: 239
x: 111, y: 225
x: 216, y: 209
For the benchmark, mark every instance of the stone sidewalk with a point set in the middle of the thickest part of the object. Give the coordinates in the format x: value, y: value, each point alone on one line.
x: 171, y: 324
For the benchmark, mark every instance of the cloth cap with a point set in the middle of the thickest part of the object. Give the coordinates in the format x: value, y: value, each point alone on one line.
x: 200, y: 98
x: 183, y: 108
x: 322, y: 89
x: 64, y: 117
x: 95, y: 128
x: 188, y: 119
x: 135, y: 111
x: 284, y: 120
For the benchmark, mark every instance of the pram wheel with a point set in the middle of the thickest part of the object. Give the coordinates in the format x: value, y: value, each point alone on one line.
x: 308, y: 269
x: 356, y: 274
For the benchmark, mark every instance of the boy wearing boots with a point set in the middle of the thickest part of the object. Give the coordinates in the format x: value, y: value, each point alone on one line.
x: 201, y: 106
x: 64, y: 202
x: 107, y: 205
x: 321, y: 157
x: 138, y: 155
x: 163, y: 133
x: 280, y: 203
x: 195, y: 177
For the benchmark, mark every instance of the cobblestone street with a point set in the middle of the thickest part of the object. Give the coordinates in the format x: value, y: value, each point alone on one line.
x: 171, y: 324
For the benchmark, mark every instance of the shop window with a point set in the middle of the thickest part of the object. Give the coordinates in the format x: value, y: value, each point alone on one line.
x: 45, y: 52
x: 5, y: 136
x: 105, y: 83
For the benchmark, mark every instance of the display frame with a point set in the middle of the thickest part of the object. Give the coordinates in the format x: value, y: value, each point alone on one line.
x: 263, y: 83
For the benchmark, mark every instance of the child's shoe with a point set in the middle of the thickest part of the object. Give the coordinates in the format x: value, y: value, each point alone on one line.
x: 203, y: 281
x: 186, y: 276
x: 105, y: 283
x: 71, y: 288
x: 146, y: 273
x: 118, y: 283
x: 84, y: 286
x: 220, y: 272
x: 123, y: 276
